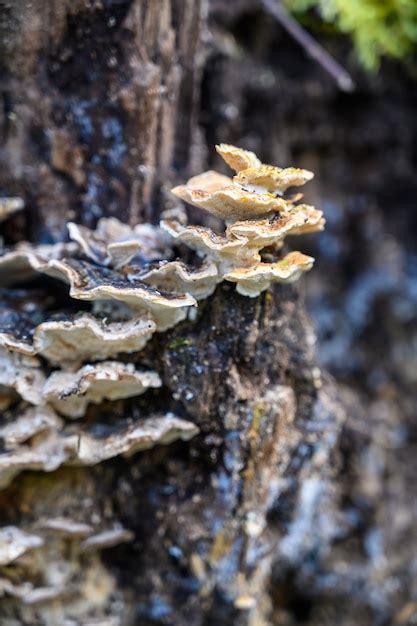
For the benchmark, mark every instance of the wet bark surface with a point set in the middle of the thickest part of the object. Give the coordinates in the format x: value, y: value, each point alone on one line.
x: 99, y: 107
x: 204, y: 515
x: 294, y: 504
x: 361, y: 294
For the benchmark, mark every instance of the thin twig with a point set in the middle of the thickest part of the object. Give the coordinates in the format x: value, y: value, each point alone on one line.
x: 312, y: 47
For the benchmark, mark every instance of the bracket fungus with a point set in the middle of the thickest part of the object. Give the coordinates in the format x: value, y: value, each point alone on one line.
x: 70, y: 392
x: 114, y: 244
x: 107, y: 539
x: 237, y: 158
x: 251, y: 281
x: 37, y: 569
x: 29, y: 424
x: 69, y: 339
x: 59, y: 347
x: 86, y: 337
x: 257, y: 216
x: 256, y: 189
x: 21, y: 374
x: 23, y: 262
x: 67, y: 527
x: 15, y: 542
x: 272, y: 232
x: 157, y: 430
x: 33, y: 441
x: 223, y: 250
x: 177, y: 277
x: 37, y: 439
x: 227, y: 200
x: 89, y: 283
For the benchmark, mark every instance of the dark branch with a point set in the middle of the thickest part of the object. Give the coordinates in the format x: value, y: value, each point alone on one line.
x: 312, y: 47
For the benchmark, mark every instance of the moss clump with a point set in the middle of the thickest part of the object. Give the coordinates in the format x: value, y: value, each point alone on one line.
x: 379, y: 28
x: 181, y: 342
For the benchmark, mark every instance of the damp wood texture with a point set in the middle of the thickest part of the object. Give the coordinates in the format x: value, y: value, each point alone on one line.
x: 171, y: 451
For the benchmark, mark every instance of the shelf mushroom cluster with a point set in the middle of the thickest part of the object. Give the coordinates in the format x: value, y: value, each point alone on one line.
x: 72, y: 313
x: 54, y: 366
x: 258, y: 217
x: 59, y: 545
x: 58, y: 358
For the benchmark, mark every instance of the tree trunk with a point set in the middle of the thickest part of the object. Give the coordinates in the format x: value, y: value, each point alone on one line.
x: 101, y: 110
x: 100, y: 104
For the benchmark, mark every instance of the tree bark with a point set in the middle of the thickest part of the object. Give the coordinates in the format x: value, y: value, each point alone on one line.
x: 101, y: 102
x: 99, y: 107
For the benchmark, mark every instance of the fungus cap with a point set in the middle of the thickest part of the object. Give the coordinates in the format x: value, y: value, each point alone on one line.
x: 121, y: 252
x: 177, y: 277
x: 30, y: 423
x: 70, y: 392
x: 237, y: 158
x: 107, y: 539
x: 88, y: 282
x: 23, y: 374
x: 14, y: 542
x: 25, y: 260
x: 74, y: 340
x: 314, y: 223
x: 46, y: 450
x: 267, y: 232
x: 230, y: 202
x: 67, y: 527
x: 69, y: 444
x: 206, y: 242
x: 131, y: 439
x: 115, y: 244
x: 271, y: 179
x: 251, y: 281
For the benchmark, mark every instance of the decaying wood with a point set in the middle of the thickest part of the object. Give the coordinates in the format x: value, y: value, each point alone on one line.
x: 99, y: 104
x: 231, y: 526
x: 203, y: 543
x: 100, y: 108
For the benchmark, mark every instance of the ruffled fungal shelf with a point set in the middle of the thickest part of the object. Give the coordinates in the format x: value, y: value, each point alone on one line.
x: 136, y: 281
x: 27, y: 556
x: 70, y: 392
x: 74, y: 318
x: 38, y: 439
x: 256, y: 191
x: 251, y: 281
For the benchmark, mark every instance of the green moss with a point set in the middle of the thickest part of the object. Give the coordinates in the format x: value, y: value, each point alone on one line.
x: 181, y: 342
x: 378, y: 28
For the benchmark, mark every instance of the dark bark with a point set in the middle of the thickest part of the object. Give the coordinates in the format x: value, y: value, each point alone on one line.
x: 273, y: 513
x: 204, y: 545
x: 99, y: 106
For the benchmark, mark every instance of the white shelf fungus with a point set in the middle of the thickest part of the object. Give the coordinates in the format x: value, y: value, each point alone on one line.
x: 257, y: 215
x: 38, y: 439
x: 141, y: 436
x: 251, y: 281
x: 15, y: 542
x: 137, y: 281
x: 70, y: 392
